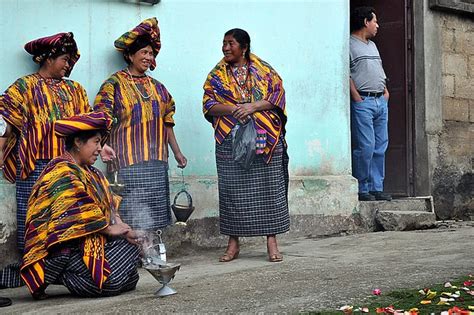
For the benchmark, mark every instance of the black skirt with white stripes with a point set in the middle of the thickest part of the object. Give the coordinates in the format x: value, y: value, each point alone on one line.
x: 253, y: 202
x: 146, y: 198
x: 67, y: 267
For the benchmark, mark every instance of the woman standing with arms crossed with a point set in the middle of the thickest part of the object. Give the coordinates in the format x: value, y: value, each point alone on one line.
x: 142, y: 110
x: 252, y: 202
x: 28, y: 109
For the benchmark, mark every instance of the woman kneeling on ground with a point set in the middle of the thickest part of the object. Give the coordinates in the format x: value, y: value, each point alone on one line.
x: 74, y: 236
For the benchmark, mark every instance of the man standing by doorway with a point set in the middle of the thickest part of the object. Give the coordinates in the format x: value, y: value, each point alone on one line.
x: 369, y: 106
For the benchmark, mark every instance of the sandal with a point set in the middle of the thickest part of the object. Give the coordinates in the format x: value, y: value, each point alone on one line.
x: 275, y: 257
x: 229, y: 256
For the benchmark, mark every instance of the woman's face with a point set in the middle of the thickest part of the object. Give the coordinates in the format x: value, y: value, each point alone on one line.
x: 142, y: 59
x: 233, y: 53
x: 59, y: 66
x: 89, y: 150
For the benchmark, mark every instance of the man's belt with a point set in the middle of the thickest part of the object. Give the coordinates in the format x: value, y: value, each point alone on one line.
x: 370, y: 94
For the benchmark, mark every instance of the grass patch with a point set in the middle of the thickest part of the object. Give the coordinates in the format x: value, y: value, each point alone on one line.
x: 407, y: 299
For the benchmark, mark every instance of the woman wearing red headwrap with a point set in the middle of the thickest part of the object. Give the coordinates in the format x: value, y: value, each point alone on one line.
x: 28, y: 109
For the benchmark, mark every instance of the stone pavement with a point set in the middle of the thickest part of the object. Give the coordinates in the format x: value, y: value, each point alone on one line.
x: 315, y: 274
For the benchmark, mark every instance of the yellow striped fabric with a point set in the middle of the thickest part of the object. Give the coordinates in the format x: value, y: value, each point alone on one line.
x: 31, y: 105
x: 140, y: 109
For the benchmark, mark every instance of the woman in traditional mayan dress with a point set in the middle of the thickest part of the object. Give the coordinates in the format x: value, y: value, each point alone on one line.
x: 74, y: 235
x: 28, y: 109
x: 142, y: 111
x: 251, y: 202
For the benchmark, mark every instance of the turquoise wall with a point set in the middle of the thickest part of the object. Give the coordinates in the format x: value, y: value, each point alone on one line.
x: 305, y: 41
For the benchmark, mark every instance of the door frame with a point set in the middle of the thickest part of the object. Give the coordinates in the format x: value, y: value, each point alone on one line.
x: 427, y: 119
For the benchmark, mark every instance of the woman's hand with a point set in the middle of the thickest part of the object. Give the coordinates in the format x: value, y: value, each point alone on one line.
x: 132, y: 237
x: 120, y: 229
x: 107, y: 153
x: 243, y: 112
x: 181, y: 159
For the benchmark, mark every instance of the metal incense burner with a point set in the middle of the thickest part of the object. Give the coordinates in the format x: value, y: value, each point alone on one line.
x: 182, y: 212
x: 164, y: 274
x: 154, y: 262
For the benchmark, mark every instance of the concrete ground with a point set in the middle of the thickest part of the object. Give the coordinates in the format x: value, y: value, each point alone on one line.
x: 315, y: 274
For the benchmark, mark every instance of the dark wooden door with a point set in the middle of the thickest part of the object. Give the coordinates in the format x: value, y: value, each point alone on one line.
x: 394, y: 43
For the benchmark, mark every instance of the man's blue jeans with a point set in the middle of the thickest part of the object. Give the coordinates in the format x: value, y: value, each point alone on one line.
x: 369, y: 126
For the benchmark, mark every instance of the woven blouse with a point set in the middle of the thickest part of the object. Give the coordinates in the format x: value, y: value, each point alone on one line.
x: 140, y: 108
x: 31, y: 105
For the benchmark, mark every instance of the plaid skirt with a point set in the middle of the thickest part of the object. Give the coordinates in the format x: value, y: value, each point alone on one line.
x: 146, y: 197
x: 253, y: 202
x: 10, y: 276
x: 66, y: 267
x: 23, y: 192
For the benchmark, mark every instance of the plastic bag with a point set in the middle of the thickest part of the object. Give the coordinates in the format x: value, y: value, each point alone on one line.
x: 244, y: 144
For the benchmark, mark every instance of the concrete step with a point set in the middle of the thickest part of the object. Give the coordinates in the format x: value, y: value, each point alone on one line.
x: 401, y: 220
x: 405, y: 204
x: 395, y: 215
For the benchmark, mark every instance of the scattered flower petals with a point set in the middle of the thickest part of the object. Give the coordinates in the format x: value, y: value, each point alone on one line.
x: 458, y: 311
x: 446, y: 299
x: 430, y: 295
x: 385, y: 310
x: 470, y: 292
x: 424, y: 302
x: 448, y: 285
x: 376, y: 291
x: 346, y: 309
x: 468, y: 283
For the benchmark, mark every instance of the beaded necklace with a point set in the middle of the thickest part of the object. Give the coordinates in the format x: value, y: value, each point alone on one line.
x: 60, y: 98
x: 135, y: 87
x: 241, y: 75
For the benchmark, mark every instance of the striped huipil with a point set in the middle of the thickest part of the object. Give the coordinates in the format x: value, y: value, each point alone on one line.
x: 31, y: 105
x: 139, y: 123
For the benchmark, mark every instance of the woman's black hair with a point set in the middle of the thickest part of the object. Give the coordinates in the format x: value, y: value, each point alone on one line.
x: 359, y: 15
x: 83, y: 136
x: 141, y: 42
x: 242, y: 37
x: 54, y: 56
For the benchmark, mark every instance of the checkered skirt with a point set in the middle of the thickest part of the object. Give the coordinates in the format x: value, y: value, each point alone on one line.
x: 68, y: 269
x: 23, y: 192
x: 253, y: 202
x: 146, y: 198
